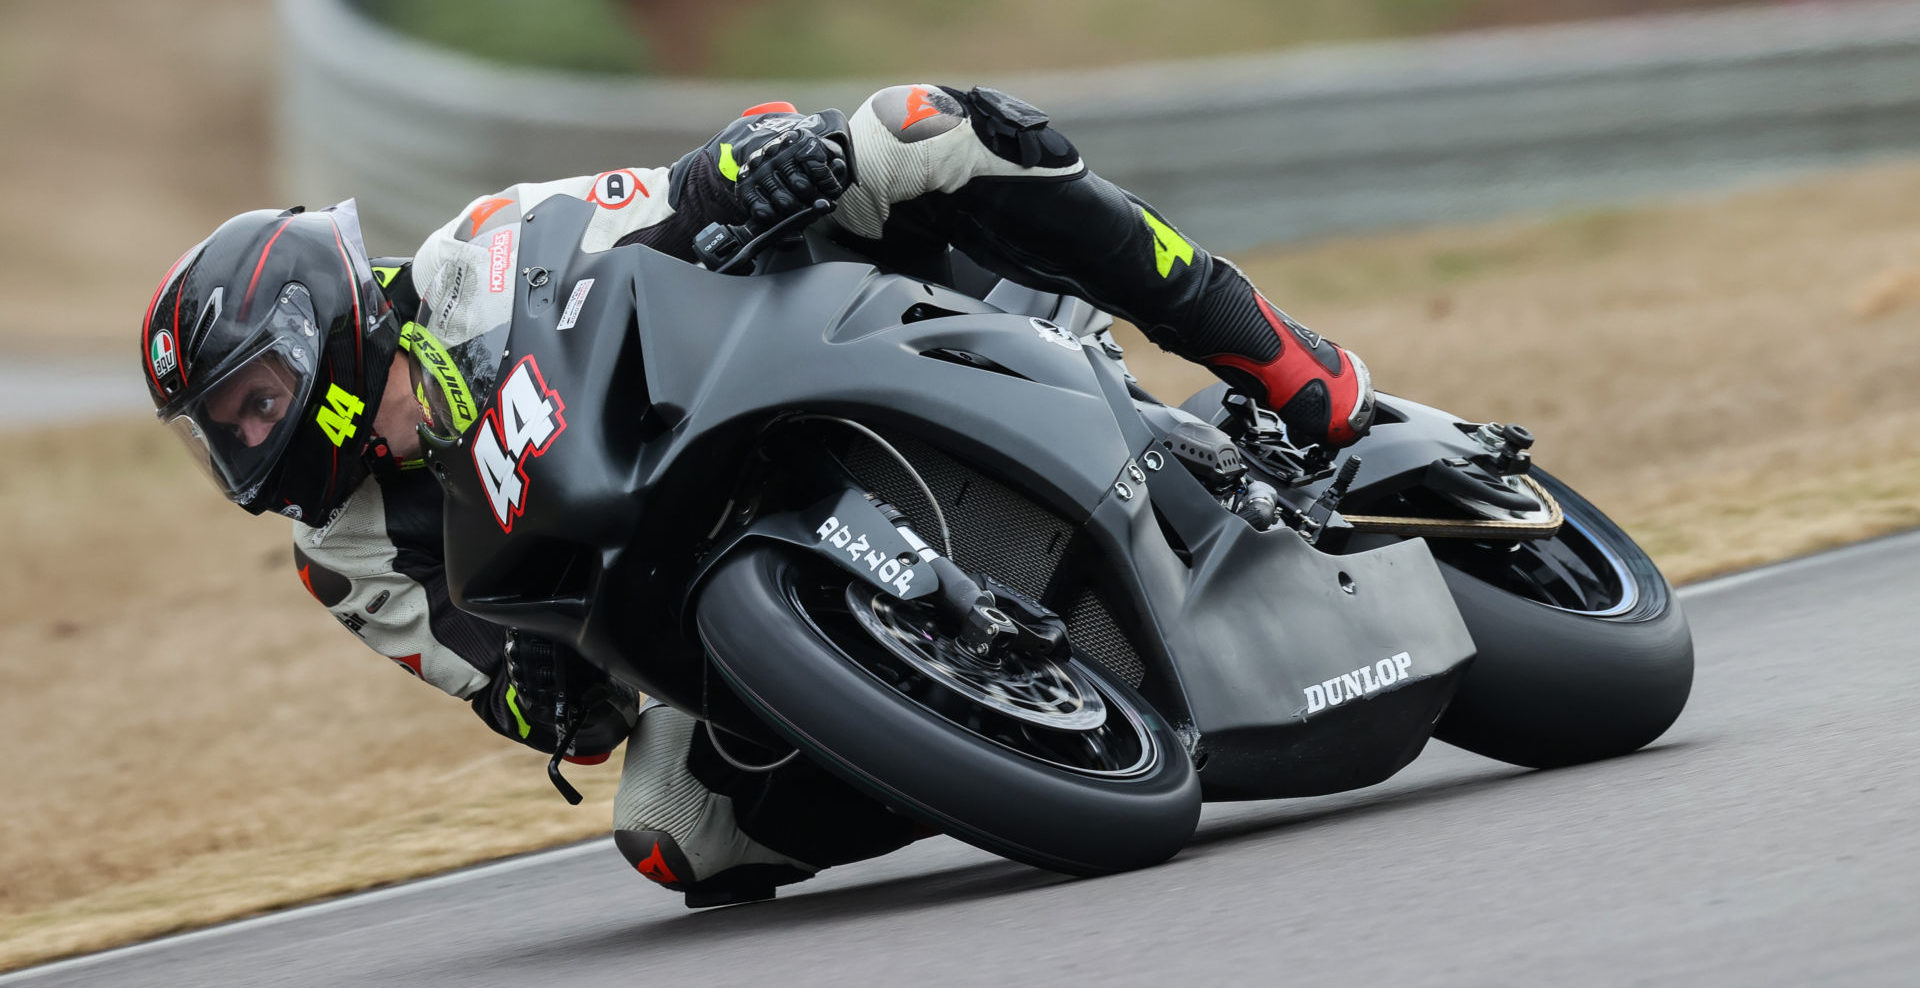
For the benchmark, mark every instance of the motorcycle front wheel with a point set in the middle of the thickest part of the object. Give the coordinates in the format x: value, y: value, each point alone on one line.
x: 1047, y: 762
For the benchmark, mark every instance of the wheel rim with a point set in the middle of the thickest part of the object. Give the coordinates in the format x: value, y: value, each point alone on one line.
x: 1582, y: 575
x: 895, y: 643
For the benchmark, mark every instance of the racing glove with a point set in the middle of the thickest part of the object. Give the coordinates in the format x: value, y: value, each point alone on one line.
x: 763, y: 168
x: 546, y: 686
x: 788, y: 174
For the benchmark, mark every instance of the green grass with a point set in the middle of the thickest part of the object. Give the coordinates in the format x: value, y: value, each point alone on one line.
x: 590, y: 36
x: 789, y: 39
x: 820, y: 38
x: 805, y: 39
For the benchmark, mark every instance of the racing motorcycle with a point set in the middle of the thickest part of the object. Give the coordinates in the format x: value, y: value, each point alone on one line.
x: 928, y: 532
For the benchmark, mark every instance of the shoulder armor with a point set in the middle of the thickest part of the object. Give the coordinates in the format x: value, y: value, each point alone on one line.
x: 1016, y: 130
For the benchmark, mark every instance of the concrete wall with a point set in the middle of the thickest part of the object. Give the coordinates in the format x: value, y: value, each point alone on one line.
x: 1237, y: 150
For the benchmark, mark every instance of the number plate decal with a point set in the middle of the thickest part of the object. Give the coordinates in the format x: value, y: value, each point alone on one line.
x: 522, y: 423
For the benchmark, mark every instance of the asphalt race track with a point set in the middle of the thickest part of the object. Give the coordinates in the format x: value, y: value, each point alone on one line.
x: 1772, y: 838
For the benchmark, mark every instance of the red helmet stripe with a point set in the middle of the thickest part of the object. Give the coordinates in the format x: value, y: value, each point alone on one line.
x: 264, y: 251
x: 179, y: 346
x: 354, y: 286
x: 165, y: 280
x: 146, y: 322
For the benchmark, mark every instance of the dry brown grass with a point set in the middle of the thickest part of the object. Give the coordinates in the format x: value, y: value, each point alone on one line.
x: 192, y: 739
x: 130, y: 129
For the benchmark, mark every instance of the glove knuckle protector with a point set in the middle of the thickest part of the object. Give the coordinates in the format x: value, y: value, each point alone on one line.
x: 766, y: 167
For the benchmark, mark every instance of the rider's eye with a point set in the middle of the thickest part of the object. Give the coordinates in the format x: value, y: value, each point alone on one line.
x: 262, y: 404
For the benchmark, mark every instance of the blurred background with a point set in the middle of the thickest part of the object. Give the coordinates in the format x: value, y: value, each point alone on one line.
x: 1680, y: 240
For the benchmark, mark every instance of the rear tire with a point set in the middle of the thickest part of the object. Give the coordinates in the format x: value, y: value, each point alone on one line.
x: 1575, y: 680
x: 754, y: 620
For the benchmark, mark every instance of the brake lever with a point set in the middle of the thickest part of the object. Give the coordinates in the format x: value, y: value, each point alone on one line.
x: 567, y: 791
x: 723, y: 247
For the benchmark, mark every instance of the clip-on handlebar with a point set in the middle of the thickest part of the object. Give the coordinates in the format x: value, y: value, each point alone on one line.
x: 724, y: 247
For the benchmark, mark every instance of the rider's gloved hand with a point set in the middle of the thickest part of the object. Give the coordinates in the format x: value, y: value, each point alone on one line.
x: 547, y: 685
x: 763, y: 168
x: 788, y: 174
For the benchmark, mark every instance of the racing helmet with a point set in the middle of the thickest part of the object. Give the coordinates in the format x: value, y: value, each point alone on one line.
x: 266, y: 348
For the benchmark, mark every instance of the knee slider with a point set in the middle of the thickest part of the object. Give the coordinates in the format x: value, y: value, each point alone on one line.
x: 1015, y: 129
x: 915, y: 113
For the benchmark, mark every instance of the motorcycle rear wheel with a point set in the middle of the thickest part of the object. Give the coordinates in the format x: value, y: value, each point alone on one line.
x: 1584, y: 652
x: 811, y: 670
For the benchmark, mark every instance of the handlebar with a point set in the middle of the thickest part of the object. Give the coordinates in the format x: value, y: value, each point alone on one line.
x: 724, y: 247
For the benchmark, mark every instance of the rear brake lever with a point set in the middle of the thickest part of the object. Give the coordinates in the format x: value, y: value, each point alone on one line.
x: 1314, y: 520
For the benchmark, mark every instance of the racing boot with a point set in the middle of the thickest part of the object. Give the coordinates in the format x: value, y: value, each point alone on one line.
x: 1320, y: 390
x: 682, y: 835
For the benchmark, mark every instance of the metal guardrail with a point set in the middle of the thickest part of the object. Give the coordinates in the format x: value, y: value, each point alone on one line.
x: 1238, y: 150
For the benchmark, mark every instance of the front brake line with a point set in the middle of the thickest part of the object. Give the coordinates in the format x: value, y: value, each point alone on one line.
x: 939, y: 517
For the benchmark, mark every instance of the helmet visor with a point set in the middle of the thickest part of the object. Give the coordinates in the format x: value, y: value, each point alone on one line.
x: 237, y: 426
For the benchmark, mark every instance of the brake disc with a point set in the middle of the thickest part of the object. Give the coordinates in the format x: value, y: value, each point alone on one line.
x: 1038, y: 690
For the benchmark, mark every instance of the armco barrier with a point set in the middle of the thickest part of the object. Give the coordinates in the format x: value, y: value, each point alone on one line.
x: 1238, y: 150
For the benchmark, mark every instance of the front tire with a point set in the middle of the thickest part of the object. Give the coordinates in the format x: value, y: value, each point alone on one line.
x: 1584, y: 652
x: 759, y: 616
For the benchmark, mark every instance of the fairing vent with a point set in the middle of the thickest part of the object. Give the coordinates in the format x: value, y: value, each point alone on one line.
x: 967, y: 358
x: 995, y: 530
x: 1091, y: 627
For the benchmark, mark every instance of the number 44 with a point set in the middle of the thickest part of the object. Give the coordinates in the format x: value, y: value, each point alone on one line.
x: 337, y: 415
x: 523, y: 423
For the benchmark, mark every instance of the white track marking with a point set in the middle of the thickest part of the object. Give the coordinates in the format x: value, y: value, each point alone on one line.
x: 1909, y: 541
x: 603, y: 845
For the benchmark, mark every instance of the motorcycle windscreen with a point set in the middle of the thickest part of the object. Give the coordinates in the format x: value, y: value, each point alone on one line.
x: 451, y: 383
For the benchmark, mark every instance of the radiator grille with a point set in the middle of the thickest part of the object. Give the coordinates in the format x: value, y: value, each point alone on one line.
x: 995, y: 530
x: 1091, y: 627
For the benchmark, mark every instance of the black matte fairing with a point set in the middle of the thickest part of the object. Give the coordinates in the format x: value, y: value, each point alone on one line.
x: 623, y: 439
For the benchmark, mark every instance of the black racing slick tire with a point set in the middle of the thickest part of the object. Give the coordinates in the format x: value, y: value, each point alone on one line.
x: 1584, y: 652
x: 755, y: 620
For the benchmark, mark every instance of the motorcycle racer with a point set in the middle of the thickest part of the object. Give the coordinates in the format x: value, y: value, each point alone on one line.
x: 274, y: 350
